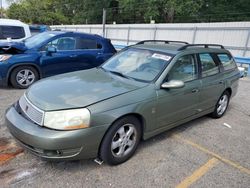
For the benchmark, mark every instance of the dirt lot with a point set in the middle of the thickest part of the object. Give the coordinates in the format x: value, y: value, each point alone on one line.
x: 202, y: 153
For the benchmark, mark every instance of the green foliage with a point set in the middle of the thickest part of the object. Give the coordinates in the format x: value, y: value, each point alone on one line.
x: 128, y: 11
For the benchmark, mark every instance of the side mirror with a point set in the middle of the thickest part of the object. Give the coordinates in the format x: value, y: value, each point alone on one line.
x: 173, y: 84
x: 51, y: 50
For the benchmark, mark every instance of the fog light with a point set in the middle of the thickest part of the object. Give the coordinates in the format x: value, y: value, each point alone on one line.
x: 59, y: 152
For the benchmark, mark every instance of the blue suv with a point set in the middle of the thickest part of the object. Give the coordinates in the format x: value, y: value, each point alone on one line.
x: 50, y: 53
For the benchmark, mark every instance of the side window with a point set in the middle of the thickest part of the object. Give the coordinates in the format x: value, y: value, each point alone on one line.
x: 14, y: 32
x: 208, y: 65
x: 227, y: 61
x: 63, y: 43
x: 83, y: 44
x: 185, y: 69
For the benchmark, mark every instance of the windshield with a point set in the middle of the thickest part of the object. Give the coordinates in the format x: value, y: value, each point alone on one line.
x: 142, y: 65
x: 35, y: 40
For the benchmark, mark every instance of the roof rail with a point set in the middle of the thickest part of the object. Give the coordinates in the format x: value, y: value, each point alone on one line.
x: 202, y: 45
x: 165, y: 41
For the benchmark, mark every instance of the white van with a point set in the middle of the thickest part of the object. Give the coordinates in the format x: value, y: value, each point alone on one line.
x: 13, y: 30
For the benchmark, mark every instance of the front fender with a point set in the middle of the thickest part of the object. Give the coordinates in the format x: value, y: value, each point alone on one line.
x: 141, y: 102
x: 30, y: 59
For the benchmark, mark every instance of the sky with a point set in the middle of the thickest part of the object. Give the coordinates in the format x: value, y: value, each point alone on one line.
x: 5, y: 5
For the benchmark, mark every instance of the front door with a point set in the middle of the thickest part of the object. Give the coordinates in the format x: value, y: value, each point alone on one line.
x: 174, y: 105
x: 62, y: 60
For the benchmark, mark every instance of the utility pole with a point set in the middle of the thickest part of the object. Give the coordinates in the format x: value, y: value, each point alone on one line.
x: 1, y: 2
x: 103, y: 21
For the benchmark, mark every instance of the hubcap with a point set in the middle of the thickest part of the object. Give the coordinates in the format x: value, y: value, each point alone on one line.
x: 223, y: 102
x: 124, y: 140
x: 25, y: 77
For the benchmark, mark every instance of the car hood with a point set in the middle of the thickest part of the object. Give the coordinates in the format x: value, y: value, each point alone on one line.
x: 79, y: 89
x: 12, y: 47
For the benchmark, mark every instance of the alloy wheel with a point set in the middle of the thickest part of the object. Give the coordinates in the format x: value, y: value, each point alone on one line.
x: 222, y: 104
x: 124, y: 140
x: 25, y: 77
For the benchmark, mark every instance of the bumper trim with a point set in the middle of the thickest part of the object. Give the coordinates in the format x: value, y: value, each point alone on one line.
x: 3, y: 82
x: 51, y: 154
x: 52, y: 144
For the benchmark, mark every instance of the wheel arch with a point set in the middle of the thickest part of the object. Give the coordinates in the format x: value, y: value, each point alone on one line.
x: 229, y: 90
x: 136, y: 115
x: 23, y: 64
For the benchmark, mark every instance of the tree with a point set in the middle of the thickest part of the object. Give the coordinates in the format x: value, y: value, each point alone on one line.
x: 128, y: 11
x: 37, y: 12
x: 167, y: 10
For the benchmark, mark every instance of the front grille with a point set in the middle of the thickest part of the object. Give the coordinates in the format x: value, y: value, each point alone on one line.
x: 32, y: 112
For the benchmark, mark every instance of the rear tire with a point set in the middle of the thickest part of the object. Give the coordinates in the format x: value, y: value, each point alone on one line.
x: 121, y: 141
x: 221, y: 105
x: 24, y: 76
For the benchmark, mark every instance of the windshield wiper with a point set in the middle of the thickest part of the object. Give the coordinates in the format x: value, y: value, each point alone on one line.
x: 119, y: 74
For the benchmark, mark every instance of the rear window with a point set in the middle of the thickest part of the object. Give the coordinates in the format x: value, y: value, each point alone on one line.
x: 14, y: 32
x: 35, y: 31
x: 227, y: 61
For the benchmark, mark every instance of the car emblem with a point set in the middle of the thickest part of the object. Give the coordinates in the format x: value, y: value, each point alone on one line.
x: 26, y: 108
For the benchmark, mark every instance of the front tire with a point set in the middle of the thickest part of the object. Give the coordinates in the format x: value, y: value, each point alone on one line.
x: 22, y: 77
x: 121, y: 141
x: 221, y: 105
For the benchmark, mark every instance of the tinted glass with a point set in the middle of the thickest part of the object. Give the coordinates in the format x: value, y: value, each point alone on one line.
x: 63, y: 43
x: 83, y: 44
x: 208, y: 65
x: 227, y: 61
x: 185, y: 69
x: 13, y: 32
x: 34, y: 31
x: 142, y: 65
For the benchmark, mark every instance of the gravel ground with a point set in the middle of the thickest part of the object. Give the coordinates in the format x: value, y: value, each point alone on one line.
x: 163, y: 161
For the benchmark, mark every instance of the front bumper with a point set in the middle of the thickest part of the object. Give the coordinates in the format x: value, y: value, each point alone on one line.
x: 3, y: 82
x: 52, y: 144
x: 3, y: 77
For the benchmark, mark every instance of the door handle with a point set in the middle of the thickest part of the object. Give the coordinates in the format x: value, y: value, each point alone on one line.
x: 195, y: 90
x: 72, y: 56
x: 221, y: 82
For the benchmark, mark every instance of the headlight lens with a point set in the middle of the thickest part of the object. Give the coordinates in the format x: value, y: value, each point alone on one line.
x: 4, y: 57
x: 67, y: 119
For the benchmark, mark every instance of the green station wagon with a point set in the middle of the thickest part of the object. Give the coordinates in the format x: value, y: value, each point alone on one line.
x: 143, y: 90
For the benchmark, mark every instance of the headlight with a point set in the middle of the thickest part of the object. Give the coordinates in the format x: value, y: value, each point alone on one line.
x: 67, y: 119
x: 4, y: 57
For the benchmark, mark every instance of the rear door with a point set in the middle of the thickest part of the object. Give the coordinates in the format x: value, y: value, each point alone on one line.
x: 212, y: 80
x: 88, y: 53
x: 174, y: 105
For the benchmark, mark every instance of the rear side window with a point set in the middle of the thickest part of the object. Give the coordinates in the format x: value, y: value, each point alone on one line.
x: 14, y: 32
x: 209, y: 67
x: 83, y: 44
x: 227, y: 61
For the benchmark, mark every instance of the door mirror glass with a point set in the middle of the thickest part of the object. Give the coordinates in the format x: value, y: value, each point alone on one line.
x: 51, y: 50
x: 173, y: 84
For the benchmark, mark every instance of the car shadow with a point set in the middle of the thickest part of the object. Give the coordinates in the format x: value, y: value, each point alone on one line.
x: 90, y: 164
